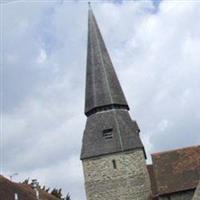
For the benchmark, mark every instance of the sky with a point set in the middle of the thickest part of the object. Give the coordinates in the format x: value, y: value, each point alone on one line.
x: 154, y: 46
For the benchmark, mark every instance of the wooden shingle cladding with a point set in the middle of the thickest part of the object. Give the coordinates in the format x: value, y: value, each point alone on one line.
x: 24, y: 191
x: 125, y: 136
x: 103, y: 89
x: 175, y: 171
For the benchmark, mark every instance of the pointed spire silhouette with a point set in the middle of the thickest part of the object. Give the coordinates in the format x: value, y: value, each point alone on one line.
x: 89, y: 5
x: 103, y: 90
x: 109, y: 128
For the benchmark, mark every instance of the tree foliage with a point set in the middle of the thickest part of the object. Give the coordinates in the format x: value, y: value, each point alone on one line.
x: 58, y: 193
x: 55, y: 192
x: 67, y: 197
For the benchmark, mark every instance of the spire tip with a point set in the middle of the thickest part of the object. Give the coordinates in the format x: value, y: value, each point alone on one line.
x: 89, y: 4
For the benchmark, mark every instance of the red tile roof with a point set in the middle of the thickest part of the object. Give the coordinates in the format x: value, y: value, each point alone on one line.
x: 176, y: 170
x: 152, y: 178
x: 24, y: 191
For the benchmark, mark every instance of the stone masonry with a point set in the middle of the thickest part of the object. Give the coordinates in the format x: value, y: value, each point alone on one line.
x: 121, y: 176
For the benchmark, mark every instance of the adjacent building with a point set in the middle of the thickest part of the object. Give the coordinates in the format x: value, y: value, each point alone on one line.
x: 175, y: 174
x: 18, y: 191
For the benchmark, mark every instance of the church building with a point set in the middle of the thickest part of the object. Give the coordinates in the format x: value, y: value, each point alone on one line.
x: 113, y: 155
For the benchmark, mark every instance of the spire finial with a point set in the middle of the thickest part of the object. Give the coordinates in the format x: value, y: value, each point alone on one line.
x: 89, y: 5
x: 102, y: 85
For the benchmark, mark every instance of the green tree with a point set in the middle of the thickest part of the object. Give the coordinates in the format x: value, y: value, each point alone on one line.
x: 67, y: 197
x: 57, y: 193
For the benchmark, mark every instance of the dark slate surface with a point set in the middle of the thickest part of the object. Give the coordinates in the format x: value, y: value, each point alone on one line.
x: 102, y: 85
x: 125, y: 134
x: 177, y: 170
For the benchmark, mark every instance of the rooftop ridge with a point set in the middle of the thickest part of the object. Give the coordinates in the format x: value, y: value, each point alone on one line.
x: 179, y: 149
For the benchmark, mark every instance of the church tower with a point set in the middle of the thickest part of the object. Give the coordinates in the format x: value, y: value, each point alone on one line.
x: 113, y: 155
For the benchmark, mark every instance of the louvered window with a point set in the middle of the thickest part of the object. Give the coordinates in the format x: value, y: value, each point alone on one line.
x: 107, y: 133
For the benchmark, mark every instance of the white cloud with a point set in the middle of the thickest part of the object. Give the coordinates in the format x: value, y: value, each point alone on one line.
x: 156, y: 56
x: 42, y: 56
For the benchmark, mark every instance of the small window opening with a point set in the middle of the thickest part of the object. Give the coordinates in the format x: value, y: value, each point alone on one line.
x: 114, y: 164
x: 107, y: 133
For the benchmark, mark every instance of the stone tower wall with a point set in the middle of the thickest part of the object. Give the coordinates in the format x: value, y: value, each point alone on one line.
x: 121, y: 176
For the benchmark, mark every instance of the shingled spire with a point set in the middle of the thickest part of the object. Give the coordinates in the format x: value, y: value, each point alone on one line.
x: 109, y: 128
x: 103, y: 90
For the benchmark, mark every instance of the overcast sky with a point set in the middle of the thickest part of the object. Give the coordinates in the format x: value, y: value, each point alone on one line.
x: 155, y: 48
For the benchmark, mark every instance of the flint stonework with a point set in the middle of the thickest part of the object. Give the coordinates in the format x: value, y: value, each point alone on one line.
x: 129, y: 181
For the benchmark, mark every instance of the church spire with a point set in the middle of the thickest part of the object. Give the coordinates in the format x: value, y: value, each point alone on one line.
x: 109, y: 127
x: 103, y: 90
x: 112, y: 153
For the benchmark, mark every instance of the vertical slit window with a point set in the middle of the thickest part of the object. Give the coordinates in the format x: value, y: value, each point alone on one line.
x: 114, y: 164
